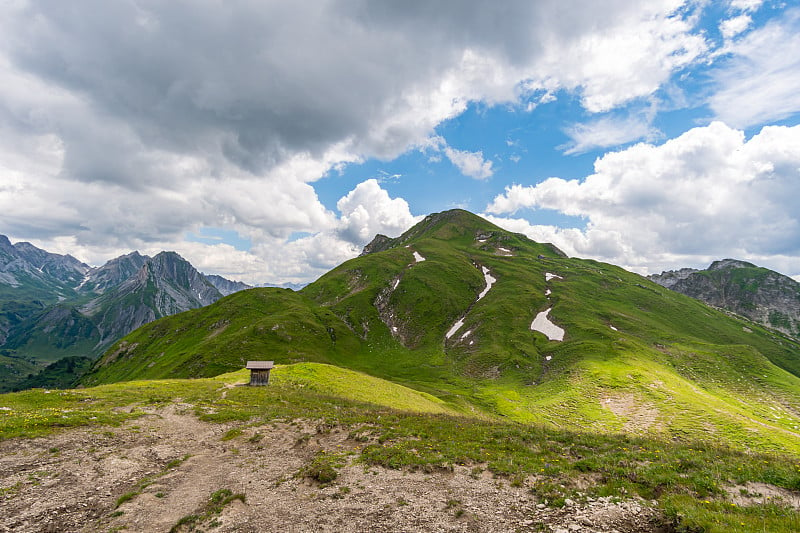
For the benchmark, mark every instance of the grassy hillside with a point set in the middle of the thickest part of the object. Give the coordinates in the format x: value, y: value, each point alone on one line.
x: 635, y: 357
x: 256, y: 324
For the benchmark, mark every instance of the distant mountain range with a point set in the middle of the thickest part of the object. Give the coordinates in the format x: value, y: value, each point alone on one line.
x: 759, y: 294
x: 53, y: 306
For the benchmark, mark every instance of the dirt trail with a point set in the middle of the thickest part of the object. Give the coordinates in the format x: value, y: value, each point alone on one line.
x: 71, y: 481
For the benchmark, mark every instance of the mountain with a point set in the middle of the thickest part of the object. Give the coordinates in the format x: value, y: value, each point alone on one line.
x: 31, y: 279
x: 226, y: 286
x: 23, y: 263
x: 759, y: 294
x: 502, y: 327
x: 113, y: 273
x: 53, y: 306
x: 164, y: 285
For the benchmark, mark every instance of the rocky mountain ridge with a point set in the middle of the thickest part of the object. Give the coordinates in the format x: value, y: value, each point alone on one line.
x: 759, y: 294
x: 54, y: 306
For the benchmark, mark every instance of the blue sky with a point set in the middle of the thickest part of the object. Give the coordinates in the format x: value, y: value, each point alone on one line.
x: 268, y: 142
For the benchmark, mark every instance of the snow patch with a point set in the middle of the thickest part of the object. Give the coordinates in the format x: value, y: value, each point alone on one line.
x: 455, y: 328
x: 489, y: 282
x: 418, y: 257
x: 548, y: 276
x: 547, y: 358
x: 612, y: 327
x: 465, y: 335
x: 396, y: 283
x: 394, y: 329
x: 542, y: 324
x: 85, y: 279
x: 548, y: 292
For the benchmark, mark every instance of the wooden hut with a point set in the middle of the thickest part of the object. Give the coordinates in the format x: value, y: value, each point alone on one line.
x: 259, y: 372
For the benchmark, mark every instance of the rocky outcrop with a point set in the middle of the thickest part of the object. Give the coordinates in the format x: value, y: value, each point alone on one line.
x: 113, y: 273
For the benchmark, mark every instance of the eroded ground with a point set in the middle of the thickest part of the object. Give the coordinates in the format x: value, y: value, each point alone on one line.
x: 160, y: 472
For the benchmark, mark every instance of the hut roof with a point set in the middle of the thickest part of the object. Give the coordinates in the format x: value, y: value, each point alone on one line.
x: 259, y: 365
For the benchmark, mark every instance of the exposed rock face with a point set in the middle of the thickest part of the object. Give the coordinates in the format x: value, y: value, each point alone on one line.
x: 24, y: 265
x: 113, y: 273
x: 30, y: 280
x: 226, y: 286
x: 760, y: 294
x: 62, y: 267
x: 669, y: 278
x: 164, y: 285
x: 378, y: 244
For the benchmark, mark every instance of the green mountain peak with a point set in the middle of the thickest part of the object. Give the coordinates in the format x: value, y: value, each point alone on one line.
x: 492, y: 322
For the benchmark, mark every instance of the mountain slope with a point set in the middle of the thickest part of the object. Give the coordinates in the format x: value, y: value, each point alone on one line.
x: 337, y: 450
x: 448, y: 308
x: 762, y: 295
x: 258, y: 323
x: 113, y: 273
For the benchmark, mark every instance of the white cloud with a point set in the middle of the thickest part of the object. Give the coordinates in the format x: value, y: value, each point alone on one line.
x: 368, y: 210
x: 470, y: 164
x: 758, y: 82
x: 623, y: 61
x: 706, y: 194
x: 746, y: 5
x: 365, y: 211
x: 608, y: 131
x: 734, y: 26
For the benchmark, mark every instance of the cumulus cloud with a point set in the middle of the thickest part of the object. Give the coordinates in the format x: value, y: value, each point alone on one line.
x: 734, y: 26
x: 707, y: 193
x: 470, y: 164
x: 274, y: 255
x: 757, y: 82
x: 746, y: 5
x: 624, y: 61
x: 368, y: 210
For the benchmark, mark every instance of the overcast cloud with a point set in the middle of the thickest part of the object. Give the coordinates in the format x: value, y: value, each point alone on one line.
x: 130, y: 124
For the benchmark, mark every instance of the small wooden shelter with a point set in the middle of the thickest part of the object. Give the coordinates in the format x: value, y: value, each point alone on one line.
x: 259, y: 371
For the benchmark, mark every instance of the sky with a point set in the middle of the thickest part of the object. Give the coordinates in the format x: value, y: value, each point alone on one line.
x: 269, y: 141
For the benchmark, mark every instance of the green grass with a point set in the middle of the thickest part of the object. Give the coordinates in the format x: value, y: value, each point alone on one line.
x: 682, y: 476
x: 216, y: 504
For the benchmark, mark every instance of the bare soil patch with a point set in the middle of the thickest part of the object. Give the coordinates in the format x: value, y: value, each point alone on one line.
x: 639, y: 416
x: 168, y: 464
